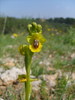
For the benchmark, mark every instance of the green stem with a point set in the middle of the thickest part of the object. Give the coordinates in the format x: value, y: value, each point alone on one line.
x: 27, y: 86
x: 28, y: 58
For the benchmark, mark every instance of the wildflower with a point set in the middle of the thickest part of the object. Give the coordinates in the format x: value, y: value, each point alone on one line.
x: 34, y: 28
x: 35, y: 39
x: 35, y: 42
x: 15, y: 35
x: 22, y: 49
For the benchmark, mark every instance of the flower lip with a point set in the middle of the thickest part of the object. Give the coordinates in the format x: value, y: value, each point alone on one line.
x: 36, y: 44
x: 33, y: 49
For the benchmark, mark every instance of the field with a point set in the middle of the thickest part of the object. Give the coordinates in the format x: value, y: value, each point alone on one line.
x: 54, y: 66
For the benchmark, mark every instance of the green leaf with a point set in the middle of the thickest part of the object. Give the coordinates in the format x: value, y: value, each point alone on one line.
x: 23, y: 76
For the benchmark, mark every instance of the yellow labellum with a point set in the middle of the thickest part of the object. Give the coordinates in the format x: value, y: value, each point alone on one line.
x: 33, y: 49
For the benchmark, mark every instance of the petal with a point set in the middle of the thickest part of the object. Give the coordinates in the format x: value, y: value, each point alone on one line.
x: 35, y: 49
x: 22, y: 49
x: 36, y: 36
x: 39, y: 37
x: 29, y: 38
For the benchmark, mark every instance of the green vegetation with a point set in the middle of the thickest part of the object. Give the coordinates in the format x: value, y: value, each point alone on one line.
x: 58, y: 53
x: 20, y: 25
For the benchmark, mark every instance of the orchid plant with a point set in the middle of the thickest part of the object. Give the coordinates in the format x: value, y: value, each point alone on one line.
x: 35, y: 41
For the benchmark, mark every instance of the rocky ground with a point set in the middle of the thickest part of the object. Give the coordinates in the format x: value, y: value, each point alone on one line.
x: 11, y: 67
x: 8, y: 77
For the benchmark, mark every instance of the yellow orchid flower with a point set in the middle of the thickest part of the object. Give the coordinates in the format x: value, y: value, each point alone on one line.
x: 35, y: 42
x: 21, y: 49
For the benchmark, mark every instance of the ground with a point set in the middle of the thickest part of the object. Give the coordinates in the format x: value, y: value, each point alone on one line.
x: 54, y: 67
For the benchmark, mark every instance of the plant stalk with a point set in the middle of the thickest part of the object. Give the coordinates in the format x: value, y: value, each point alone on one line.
x: 28, y: 59
x: 27, y: 86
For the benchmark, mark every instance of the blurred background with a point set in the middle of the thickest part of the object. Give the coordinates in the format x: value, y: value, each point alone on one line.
x: 54, y: 66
